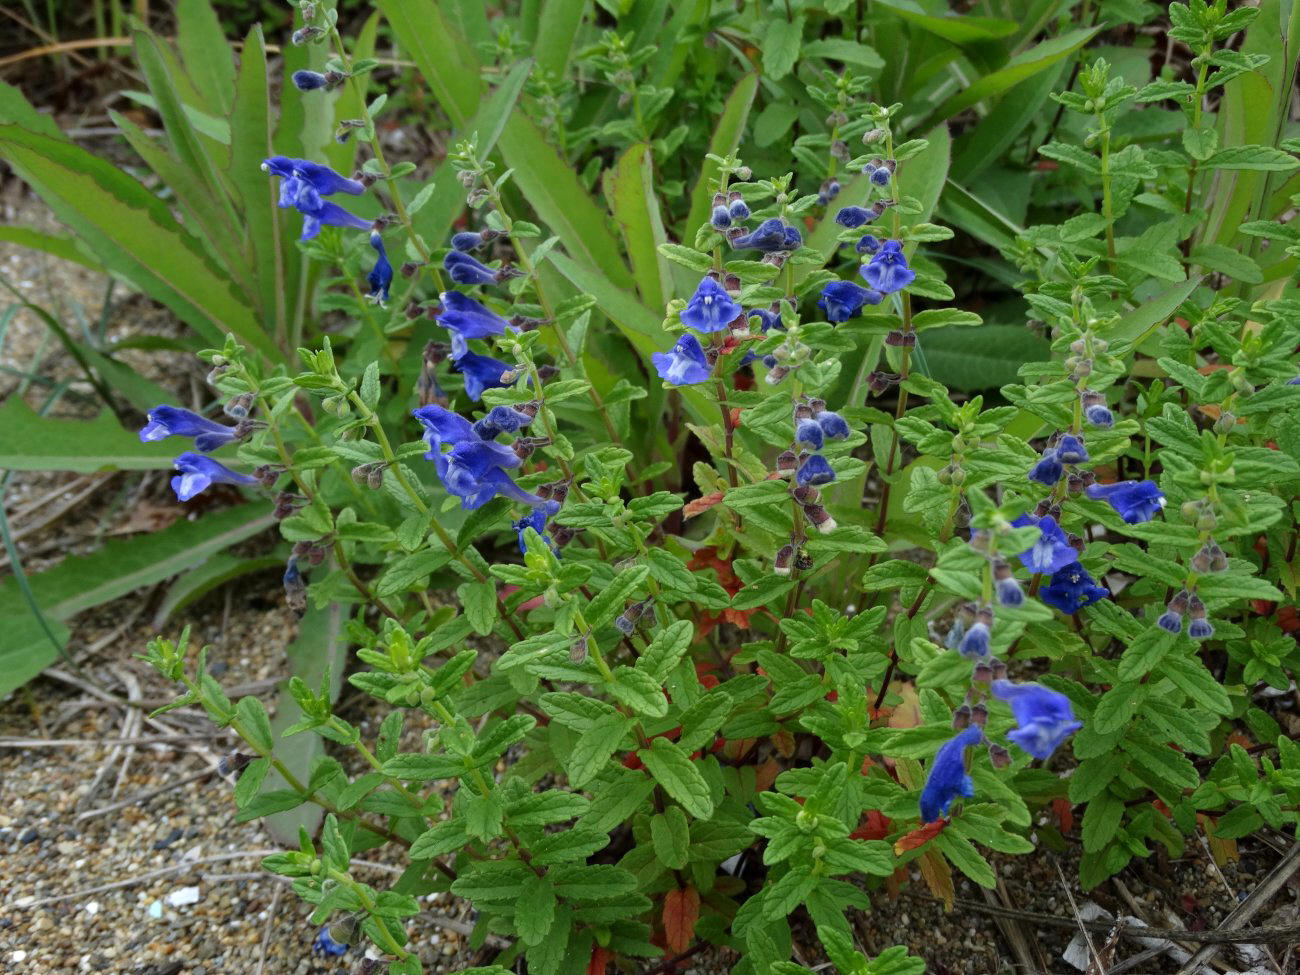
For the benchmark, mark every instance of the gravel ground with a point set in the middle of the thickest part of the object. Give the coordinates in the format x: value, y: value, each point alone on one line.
x: 125, y: 857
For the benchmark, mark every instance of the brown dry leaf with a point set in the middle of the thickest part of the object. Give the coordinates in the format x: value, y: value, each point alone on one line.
x: 681, y: 911
x: 148, y: 517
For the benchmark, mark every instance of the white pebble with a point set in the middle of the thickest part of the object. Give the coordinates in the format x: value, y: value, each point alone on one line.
x: 183, y: 897
x: 18, y: 956
x: 155, y: 910
x: 92, y: 907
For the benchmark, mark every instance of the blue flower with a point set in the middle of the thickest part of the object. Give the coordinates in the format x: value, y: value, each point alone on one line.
x: 1134, y: 501
x: 1071, y: 588
x: 325, y: 945
x: 853, y: 217
x: 1009, y: 592
x: 738, y: 210
x: 1052, y: 551
x: 308, y: 80
x: 1048, y: 470
x: 467, y: 240
x: 1043, y: 716
x: 381, y: 275
x: 1098, y: 415
x: 1200, y: 629
x: 809, y: 432
x: 502, y: 419
x: 720, y: 219
x: 1171, y: 621
x: 466, y: 319
x: 887, y: 271
x: 1070, y: 449
x: 463, y: 269
x: 172, y: 421
x: 684, y: 364
x: 948, y: 779
x: 536, y: 520
x: 867, y: 244
x: 841, y: 300
x: 770, y: 235
x: 710, y: 308
x: 975, y: 642
x: 481, y: 372
x: 815, y: 470
x: 792, y: 238
x: 302, y: 186
x: 473, y: 469
x: 833, y: 425
x: 767, y: 320
x: 880, y: 176
x: 197, y: 473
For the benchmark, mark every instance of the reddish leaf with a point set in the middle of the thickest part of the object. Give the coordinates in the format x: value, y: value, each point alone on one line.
x: 701, y: 505
x: 1064, y: 813
x: 919, y: 836
x: 874, y: 826
x: 681, y: 911
x: 599, y: 959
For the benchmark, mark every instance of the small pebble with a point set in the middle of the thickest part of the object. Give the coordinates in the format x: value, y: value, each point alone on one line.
x: 29, y: 835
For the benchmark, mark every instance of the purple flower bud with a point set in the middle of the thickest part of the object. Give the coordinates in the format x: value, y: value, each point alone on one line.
x: 309, y: 80
x: 815, y: 470
x: 1070, y: 449
x: 720, y: 219
x: 1048, y: 470
x: 976, y: 641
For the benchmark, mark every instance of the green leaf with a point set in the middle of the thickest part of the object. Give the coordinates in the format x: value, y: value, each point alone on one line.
x: 318, y: 648
x: 1134, y: 326
x: 987, y: 357
x: 957, y: 28
x: 34, y: 443
x: 727, y: 134
x: 780, y: 45
x: 204, y: 52
x: 1118, y: 706
x: 962, y: 855
x: 610, y: 600
x: 1262, y: 158
x: 1024, y: 65
x: 679, y: 777
x: 593, y: 748
x: 556, y: 29
x: 639, y: 691
x: 668, y: 647
x: 62, y: 246
x: 119, y: 567
x: 479, y: 600
x: 629, y: 188
x: 447, y: 62
x: 535, y: 910
x: 670, y: 836
x: 133, y: 234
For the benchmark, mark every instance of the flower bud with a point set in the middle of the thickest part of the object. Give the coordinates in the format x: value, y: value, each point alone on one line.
x: 882, y: 382
x: 578, y: 650
x: 840, y: 150
x: 999, y: 757
x: 786, y: 463
x: 1225, y: 424
x: 268, y: 474
x: 720, y: 218
x: 233, y: 763
x: 375, y: 479
x: 979, y: 714
x: 237, y: 406
x: 961, y: 717
x: 982, y: 673
x: 819, y: 518
x: 900, y: 339
x: 783, y: 561
x: 776, y: 374
x: 1209, y: 559
x: 295, y: 590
